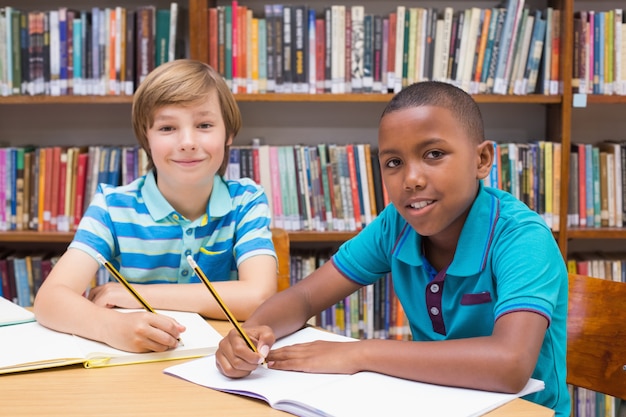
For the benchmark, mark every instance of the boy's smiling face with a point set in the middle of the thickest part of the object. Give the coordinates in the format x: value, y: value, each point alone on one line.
x: 187, y: 145
x: 430, y: 167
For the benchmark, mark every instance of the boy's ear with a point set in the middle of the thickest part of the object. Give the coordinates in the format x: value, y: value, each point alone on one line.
x: 484, y: 152
x: 229, y: 141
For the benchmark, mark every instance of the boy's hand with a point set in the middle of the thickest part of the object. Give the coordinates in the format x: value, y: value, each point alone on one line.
x: 143, y: 332
x: 235, y: 359
x: 318, y: 357
x: 113, y: 294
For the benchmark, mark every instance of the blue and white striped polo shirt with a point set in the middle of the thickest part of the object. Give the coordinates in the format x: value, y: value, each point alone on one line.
x: 140, y: 233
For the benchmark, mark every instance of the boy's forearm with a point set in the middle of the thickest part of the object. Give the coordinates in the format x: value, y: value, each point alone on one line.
x: 471, y: 363
x: 241, y: 298
x: 282, y: 312
x: 61, y: 309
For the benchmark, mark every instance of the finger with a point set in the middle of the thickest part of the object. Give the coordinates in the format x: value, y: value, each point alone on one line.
x: 230, y: 364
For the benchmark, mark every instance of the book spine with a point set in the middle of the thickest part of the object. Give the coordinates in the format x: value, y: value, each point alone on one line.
x: 357, y: 14
x: 300, y: 48
x: 271, y: 47
x: 263, y: 55
x: 310, y: 54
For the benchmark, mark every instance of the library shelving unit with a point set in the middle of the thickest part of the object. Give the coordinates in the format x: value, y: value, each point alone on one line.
x: 556, y: 109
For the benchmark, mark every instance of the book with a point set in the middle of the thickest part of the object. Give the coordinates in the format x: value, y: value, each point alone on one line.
x: 363, y: 393
x: 31, y: 346
x: 11, y: 313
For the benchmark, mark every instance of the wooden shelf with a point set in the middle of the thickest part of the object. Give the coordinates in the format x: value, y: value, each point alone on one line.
x: 63, y: 237
x: 274, y: 97
x: 602, y: 99
x: 597, y: 233
x: 328, y: 237
x: 32, y: 236
x: 66, y: 100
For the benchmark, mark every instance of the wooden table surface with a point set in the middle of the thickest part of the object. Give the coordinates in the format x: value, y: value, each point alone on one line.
x: 144, y: 390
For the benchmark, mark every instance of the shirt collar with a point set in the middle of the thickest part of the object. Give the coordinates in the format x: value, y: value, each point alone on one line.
x: 474, y: 242
x: 160, y: 208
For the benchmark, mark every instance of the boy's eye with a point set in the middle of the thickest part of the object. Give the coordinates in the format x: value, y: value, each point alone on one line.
x: 434, y: 154
x: 204, y: 125
x: 392, y: 163
x: 166, y: 128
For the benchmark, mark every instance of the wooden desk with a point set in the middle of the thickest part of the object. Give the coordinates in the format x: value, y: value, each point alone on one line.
x: 143, y: 390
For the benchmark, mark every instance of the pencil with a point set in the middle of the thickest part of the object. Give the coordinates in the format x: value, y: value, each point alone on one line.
x: 223, y: 306
x: 109, y: 266
x: 116, y: 274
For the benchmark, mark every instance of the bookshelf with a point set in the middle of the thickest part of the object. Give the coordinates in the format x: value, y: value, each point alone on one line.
x: 551, y: 115
x: 555, y: 115
x: 279, y: 118
x: 554, y: 111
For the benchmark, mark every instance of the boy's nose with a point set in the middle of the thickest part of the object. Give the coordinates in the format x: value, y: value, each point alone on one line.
x: 414, y: 178
x: 187, y: 140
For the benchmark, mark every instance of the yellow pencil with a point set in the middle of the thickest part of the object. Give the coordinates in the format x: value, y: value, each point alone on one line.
x: 125, y: 283
x: 116, y: 274
x: 223, y: 306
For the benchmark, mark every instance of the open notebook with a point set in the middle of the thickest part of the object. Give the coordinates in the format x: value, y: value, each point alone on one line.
x: 11, y: 313
x: 364, y: 393
x: 30, y: 346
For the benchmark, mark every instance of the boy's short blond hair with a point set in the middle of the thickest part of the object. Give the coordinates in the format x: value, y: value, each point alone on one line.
x: 182, y: 82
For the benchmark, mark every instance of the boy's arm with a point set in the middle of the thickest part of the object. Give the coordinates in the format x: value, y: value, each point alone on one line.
x: 283, y: 314
x: 60, y: 305
x: 257, y: 282
x: 502, y: 362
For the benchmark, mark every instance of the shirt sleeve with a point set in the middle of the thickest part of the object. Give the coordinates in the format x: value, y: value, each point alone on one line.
x: 367, y: 257
x: 529, y: 270
x: 254, y: 236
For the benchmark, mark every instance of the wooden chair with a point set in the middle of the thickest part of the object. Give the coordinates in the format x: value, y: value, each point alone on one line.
x: 280, y: 237
x: 596, y: 336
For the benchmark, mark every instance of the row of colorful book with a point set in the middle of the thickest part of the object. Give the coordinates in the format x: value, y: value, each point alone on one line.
x: 372, y: 312
x: 21, y: 275
x: 320, y: 187
x: 339, y: 187
x: 340, y: 49
x: 596, y: 189
x: 599, y: 49
x: 99, y: 51
x: 604, y: 265
x: 48, y: 188
x: 588, y: 403
x: 531, y: 172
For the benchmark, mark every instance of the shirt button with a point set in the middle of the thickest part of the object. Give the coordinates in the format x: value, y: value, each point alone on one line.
x: 434, y: 288
x: 175, y: 217
x: 189, y: 232
x: 434, y: 311
x: 185, y: 273
x: 187, y: 252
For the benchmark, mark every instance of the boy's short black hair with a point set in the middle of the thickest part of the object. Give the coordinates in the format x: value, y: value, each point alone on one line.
x: 440, y: 94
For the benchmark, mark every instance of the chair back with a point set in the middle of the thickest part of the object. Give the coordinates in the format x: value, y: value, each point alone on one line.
x: 280, y: 237
x: 596, y: 335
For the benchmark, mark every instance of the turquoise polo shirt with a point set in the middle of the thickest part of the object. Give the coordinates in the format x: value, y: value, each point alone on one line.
x: 140, y: 233
x: 506, y: 260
